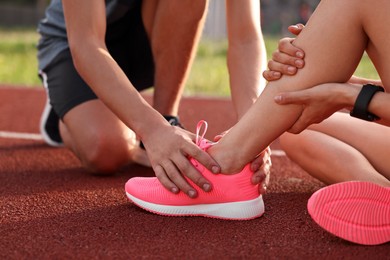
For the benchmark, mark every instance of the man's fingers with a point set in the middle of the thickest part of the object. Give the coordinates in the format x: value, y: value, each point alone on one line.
x: 261, y: 166
x: 262, y: 189
x: 175, y: 176
x: 262, y: 176
x: 204, y: 158
x: 258, y: 177
x: 257, y: 163
x: 165, y: 181
x: 185, y: 166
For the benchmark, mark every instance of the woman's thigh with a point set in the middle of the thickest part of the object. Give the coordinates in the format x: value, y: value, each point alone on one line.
x: 371, y: 139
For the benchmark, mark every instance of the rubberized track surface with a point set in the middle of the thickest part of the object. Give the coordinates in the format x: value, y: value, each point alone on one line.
x: 51, y: 208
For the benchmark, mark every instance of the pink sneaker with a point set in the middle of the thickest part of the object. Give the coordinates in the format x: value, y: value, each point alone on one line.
x: 355, y: 211
x: 233, y: 197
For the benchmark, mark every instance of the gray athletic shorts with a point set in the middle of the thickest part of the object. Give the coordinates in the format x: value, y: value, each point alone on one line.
x: 128, y: 44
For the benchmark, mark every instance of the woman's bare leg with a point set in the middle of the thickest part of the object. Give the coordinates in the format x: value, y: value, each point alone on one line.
x: 334, y: 41
x: 342, y: 148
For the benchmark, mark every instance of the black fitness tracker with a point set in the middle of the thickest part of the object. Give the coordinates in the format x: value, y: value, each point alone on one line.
x: 360, y: 109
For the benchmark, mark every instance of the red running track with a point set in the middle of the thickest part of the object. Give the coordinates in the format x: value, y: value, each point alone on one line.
x: 51, y: 208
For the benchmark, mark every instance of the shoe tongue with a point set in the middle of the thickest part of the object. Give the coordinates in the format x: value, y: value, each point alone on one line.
x: 205, y: 144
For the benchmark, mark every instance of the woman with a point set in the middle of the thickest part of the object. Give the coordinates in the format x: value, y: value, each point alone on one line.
x: 366, y: 160
x: 334, y: 41
x: 352, y: 154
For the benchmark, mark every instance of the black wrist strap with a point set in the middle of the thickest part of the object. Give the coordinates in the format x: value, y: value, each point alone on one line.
x: 172, y: 120
x: 360, y: 109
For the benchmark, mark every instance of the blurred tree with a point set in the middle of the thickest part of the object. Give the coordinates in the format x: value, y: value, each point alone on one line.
x: 22, y: 12
x: 19, y: 2
x: 41, y: 5
x: 27, y: 2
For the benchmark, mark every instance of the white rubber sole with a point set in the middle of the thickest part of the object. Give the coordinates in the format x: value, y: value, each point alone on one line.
x: 45, y: 136
x: 242, y: 210
x: 45, y: 115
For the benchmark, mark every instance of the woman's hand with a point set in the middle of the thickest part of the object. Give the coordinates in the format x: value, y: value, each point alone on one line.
x: 319, y: 102
x: 287, y: 59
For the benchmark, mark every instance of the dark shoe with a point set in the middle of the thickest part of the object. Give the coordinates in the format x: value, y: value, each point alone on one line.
x: 49, y: 126
x: 173, y: 120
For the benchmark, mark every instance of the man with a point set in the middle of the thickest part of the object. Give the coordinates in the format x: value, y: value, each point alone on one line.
x: 95, y: 56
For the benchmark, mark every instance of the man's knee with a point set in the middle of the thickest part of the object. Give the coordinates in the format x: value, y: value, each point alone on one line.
x: 105, y: 154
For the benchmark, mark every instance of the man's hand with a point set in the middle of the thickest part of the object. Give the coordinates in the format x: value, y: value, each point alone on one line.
x: 168, y: 150
x: 287, y: 59
x: 261, y: 167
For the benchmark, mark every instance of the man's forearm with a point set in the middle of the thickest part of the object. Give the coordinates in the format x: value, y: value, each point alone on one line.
x: 108, y: 81
x: 245, y: 64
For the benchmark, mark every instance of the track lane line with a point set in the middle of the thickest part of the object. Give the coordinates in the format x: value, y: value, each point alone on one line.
x: 38, y: 137
x: 18, y: 135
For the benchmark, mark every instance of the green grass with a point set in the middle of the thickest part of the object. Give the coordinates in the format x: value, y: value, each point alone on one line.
x: 18, y: 63
x: 209, y: 72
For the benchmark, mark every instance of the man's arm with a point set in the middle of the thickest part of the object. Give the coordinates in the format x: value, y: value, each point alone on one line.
x: 86, y: 28
x: 246, y: 56
x: 167, y: 146
x: 247, y: 59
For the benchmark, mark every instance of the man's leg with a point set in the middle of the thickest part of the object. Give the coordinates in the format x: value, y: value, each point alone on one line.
x: 88, y: 128
x: 334, y: 40
x: 174, y: 29
x: 99, y: 139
